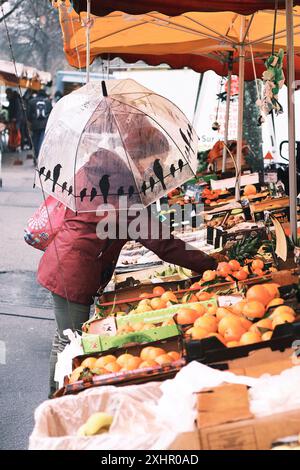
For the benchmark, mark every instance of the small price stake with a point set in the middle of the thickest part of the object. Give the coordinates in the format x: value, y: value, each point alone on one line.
x: 271, y: 177
x: 228, y: 300
x: 107, y: 327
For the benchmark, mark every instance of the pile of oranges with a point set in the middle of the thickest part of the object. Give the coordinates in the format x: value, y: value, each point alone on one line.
x: 168, y: 298
x: 234, y: 271
x: 248, y: 321
x: 150, y: 356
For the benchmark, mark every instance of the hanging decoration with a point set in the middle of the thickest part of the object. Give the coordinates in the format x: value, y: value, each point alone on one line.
x: 216, y: 125
x: 273, y: 79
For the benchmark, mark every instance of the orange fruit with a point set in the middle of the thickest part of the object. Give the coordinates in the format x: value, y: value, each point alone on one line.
x: 275, y: 303
x: 237, y: 308
x: 217, y: 335
x: 222, y: 312
x: 283, y: 309
x: 113, y: 367
x: 232, y: 344
x: 246, y: 269
x: 158, y: 290
x: 260, y: 293
x: 201, y: 296
x: 223, y: 269
x: 207, y: 322
x: 196, y: 285
x: 197, y: 333
x: 230, y: 321
x: 257, y: 264
x: 148, y: 363
x: 164, y: 359
x: 234, y: 265
x: 144, y: 295
x: 132, y: 363
x: 233, y: 333
x: 104, y: 360
x: 123, y: 359
x: 144, y: 354
x: 209, y: 275
x: 211, y: 309
x: 169, y: 296
x: 249, y: 190
x: 240, y: 275
x: 174, y: 355
x: 267, y: 336
x: 89, y: 362
x: 281, y: 318
x: 254, y: 309
x: 264, y: 323
x: 100, y: 371
x: 145, y: 302
x: 258, y: 272
x: 75, y: 374
x: 272, y: 288
x: 158, y: 303
x: 245, y: 323
x: 186, y: 316
x: 250, y: 338
x: 189, y: 298
x: 155, y: 352
x: 200, y: 309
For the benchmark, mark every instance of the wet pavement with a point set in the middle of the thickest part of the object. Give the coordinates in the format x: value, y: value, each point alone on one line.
x: 26, y: 319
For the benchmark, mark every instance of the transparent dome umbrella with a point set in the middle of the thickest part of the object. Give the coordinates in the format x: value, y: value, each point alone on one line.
x: 115, y: 138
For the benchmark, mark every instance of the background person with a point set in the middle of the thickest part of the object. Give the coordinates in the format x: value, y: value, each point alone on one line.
x: 39, y: 109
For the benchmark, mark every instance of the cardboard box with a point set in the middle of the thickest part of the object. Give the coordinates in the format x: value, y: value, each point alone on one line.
x: 229, y: 402
x: 263, y: 361
x: 250, y: 434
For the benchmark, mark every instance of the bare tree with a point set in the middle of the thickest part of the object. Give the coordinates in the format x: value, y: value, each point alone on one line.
x: 35, y: 35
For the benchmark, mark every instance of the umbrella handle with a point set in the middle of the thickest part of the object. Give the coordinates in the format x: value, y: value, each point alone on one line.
x: 104, y: 89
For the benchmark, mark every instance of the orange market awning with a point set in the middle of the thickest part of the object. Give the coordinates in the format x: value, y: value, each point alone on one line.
x: 201, y: 41
x: 22, y: 75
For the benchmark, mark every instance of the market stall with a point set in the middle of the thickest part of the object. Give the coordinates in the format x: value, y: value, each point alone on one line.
x: 164, y: 338
x: 23, y: 76
x: 182, y: 40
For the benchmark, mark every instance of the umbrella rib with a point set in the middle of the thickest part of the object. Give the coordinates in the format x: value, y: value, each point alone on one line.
x: 120, y: 134
x: 164, y: 130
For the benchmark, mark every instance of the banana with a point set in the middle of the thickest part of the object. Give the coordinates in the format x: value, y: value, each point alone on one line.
x: 96, y: 424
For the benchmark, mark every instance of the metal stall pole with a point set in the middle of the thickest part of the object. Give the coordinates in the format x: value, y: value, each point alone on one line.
x: 227, y: 113
x: 88, y: 39
x: 240, y: 109
x: 291, y: 118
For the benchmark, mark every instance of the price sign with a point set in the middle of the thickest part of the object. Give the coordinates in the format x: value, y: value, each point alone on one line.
x: 107, y: 327
x: 271, y: 177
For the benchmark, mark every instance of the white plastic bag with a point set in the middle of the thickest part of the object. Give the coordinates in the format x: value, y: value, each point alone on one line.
x: 64, y: 359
